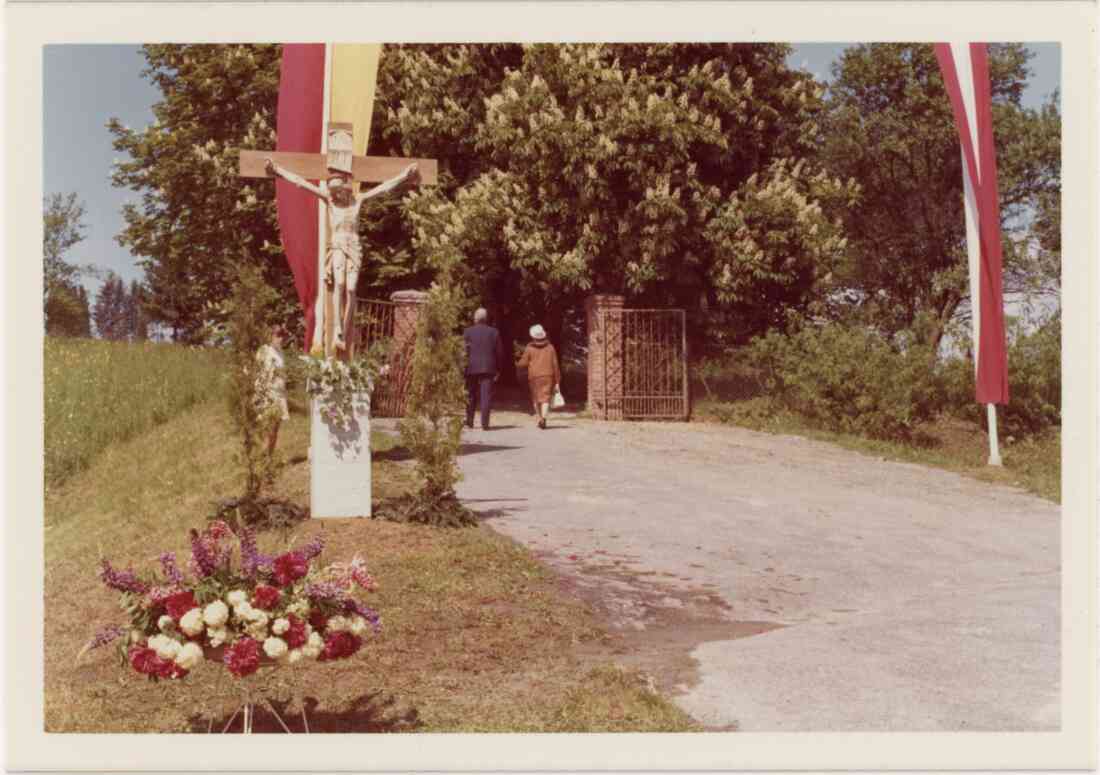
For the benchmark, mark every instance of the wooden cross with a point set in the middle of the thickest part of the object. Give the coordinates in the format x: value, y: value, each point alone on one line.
x: 338, y: 158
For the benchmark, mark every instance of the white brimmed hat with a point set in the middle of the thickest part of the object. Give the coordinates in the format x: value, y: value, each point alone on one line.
x: 537, y: 332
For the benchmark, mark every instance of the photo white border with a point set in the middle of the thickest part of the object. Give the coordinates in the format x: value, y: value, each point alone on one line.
x: 30, y: 27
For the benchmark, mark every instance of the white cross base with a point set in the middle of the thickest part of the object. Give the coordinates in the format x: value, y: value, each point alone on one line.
x: 339, y: 462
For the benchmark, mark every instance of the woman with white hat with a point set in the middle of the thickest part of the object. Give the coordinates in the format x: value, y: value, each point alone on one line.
x: 543, y: 373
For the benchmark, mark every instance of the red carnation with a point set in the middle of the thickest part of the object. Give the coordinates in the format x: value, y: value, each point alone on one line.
x: 289, y: 567
x: 143, y: 659
x: 243, y: 657
x: 318, y: 620
x: 180, y: 603
x: 265, y: 597
x: 296, y: 635
x: 339, y: 645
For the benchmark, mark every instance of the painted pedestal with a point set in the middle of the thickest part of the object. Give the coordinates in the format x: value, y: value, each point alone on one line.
x: 339, y: 466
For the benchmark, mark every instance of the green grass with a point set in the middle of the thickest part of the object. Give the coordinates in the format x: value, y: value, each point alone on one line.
x: 98, y: 393
x: 477, y: 636
x: 1034, y: 463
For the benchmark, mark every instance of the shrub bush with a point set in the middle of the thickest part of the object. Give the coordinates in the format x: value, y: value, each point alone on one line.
x: 1034, y: 382
x: 849, y: 379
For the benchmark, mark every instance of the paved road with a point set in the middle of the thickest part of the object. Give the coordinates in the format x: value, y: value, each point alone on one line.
x: 808, y: 587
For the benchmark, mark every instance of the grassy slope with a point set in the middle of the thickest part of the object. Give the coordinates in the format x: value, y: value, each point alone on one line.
x: 1034, y: 464
x: 476, y: 636
x: 97, y: 393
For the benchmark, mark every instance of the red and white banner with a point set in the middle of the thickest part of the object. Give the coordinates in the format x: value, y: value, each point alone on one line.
x: 965, y: 69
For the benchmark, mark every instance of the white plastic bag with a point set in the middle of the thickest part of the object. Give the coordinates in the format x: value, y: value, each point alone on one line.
x: 558, y: 401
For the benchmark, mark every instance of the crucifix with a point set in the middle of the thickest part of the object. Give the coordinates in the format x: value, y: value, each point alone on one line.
x: 339, y: 174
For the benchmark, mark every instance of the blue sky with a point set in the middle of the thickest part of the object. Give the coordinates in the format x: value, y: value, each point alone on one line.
x: 85, y: 85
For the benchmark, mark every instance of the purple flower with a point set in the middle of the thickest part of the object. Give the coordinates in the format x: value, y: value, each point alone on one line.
x: 171, y: 572
x: 312, y: 549
x: 105, y: 636
x: 355, y: 607
x: 251, y: 559
x: 123, y: 581
x: 329, y: 591
x: 203, y: 562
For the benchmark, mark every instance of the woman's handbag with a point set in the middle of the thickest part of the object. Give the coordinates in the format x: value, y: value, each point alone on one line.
x: 558, y: 401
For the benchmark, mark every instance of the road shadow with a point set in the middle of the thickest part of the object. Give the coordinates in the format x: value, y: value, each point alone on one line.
x: 474, y: 448
x: 367, y: 713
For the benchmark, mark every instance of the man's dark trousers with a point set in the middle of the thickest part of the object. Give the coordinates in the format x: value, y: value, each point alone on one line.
x: 479, y: 388
x: 484, y: 356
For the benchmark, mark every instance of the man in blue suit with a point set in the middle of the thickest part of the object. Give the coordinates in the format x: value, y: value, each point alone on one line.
x: 484, y: 356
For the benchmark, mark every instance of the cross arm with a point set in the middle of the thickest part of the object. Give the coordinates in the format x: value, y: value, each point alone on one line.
x: 311, y: 166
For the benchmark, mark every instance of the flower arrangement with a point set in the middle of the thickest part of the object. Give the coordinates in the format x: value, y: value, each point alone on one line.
x: 277, y: 610
x: 336, y: 383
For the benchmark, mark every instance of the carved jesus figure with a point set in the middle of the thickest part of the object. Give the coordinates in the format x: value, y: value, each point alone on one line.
x: 344, y: 257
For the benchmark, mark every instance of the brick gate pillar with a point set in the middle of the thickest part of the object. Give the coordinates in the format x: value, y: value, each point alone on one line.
x: 604, y: 319
x: 406, y: 314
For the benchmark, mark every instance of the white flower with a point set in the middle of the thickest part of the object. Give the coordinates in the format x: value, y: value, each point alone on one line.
x: 237, y: 597
x: 217, y: 635
x: 337, y: 624
x: 166, y: 648
x: 191, y: 622
x: 358, y: 625
x: 166, y: 623
x: 189, y: 656
x: 216, y: 614
x: 280, y: 626
x: 243, y: 610
x: 299, y: 608
x: 313, y: 646
x: 294, y: 656
x: 275, y: 648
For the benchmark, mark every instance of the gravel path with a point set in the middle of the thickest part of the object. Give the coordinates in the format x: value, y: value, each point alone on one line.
x: 773, y: 583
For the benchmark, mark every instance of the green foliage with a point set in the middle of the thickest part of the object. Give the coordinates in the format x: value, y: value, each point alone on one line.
x: 673, y: 173
x: 196, y: 217
x: 67, y: 312
x: 98, y: 393
x: 432, y: 426
x: 1034, y: 383
x: 112, y: 310
x: 335, y: 383
x: 889, y: 127
x: 65, y: 302
x: 247, y: 326
x: 849, y: 379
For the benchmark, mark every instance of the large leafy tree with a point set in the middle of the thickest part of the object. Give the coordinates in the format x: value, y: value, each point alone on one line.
x: 196, y: 218
x: 675, y: 174
x: 890, y: 128
x: 111, y: 312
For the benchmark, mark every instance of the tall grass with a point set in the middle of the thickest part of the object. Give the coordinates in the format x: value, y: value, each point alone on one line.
x: 99, y: 392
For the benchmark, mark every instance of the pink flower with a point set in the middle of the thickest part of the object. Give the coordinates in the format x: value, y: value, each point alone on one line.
x: 289, y: 568
x: 295, y: 636
x: 243, y: 657
x: 180, y: 603
x: 266, y: 597
x: 145, y: 660
x: 339, y: 645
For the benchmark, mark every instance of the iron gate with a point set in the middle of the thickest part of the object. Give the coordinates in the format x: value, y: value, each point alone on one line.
x: 377, y: 321
x: 637, y: 364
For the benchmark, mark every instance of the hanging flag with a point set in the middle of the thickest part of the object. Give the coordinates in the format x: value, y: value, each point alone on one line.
x: 965, y: 69
x: 300, y: 128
